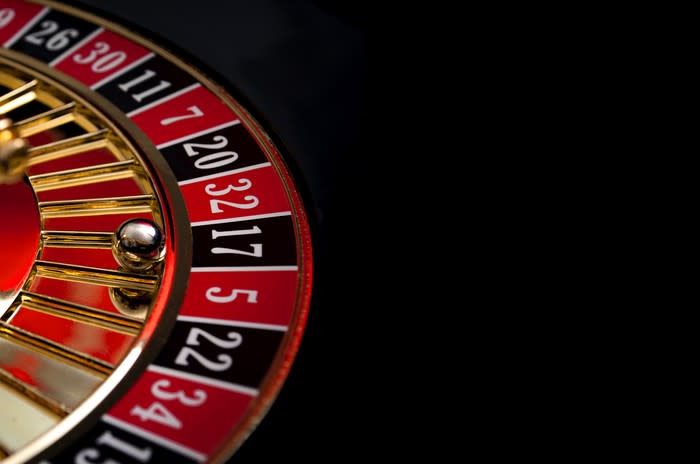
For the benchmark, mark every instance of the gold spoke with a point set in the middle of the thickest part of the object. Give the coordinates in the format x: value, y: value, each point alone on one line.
x: 48, y: 120
x: 33, y: 394
x: 77, y: 239
x: 84, y: 176
x: 75, y: 312
x: 23, y: 418
x: 54, y: 350
x: 97, y: 207
x: 18, y: 97
x: 89, y: 165
x: 92, y: 275
x: 70, y: 146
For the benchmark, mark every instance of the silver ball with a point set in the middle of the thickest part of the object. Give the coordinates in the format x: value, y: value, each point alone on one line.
x: 134, y: 304
x: 138, y: 245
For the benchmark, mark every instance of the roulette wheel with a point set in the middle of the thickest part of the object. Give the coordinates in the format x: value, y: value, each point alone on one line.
x: 138, y: 320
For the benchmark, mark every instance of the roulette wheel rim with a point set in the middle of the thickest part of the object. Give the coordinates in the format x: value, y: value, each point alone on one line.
x: 280, y: 365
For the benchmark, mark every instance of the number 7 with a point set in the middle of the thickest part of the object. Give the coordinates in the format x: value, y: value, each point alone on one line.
x: 194, y: 112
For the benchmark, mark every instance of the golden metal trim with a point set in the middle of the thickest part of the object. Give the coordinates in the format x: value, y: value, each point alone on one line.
x: 54, y: 350
x: 85, y: 176
x: 96, y: 276
x: 47, y: 120
x: 278, y: 372
x: 76, y: 239
x: 67, y: 147
x: 98, y: 207
x: 152, y: 174
x: 75, y: 312
x: 18, y: 97
x: 33, y: 394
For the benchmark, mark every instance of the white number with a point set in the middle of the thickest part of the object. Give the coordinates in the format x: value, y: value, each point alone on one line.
x: 224, y: 363
x: 143, y: 78
x: 245, y: 185
x: 214, y: 298
x: 211, y: 188
x: 200, y: 396
x: 156, y: 412
x: 215, y: 207
x: 6, y: 16
x: 256, y: 253
x: 58, y: 41
x: 137, y: 80
x: 61, y: 40
x: 106, y: 62
x: 212, y: 160
x: 219, y: 142
x: 37, y: 38
x: 232, y: 233
x: 100, y: 49
x: 87, y: 456
x: 109, y: 62
x: 235, y: 339
x: 147, y: 93
x: 257, y: 247
x: 194, y: 112
x: 140, y: 454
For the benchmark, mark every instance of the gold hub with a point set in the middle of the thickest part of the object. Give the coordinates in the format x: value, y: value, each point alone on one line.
x: 59, y: 310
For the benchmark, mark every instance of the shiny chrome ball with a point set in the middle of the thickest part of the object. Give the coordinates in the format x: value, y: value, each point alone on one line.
x: 138, y: 245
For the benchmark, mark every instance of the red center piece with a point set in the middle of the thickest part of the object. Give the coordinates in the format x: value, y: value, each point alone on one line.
x: 19, y: 235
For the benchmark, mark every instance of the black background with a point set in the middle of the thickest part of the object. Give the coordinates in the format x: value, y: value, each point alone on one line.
x: 303, y: 65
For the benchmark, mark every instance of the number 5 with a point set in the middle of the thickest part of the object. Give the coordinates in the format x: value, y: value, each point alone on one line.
x: 214, y: 298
